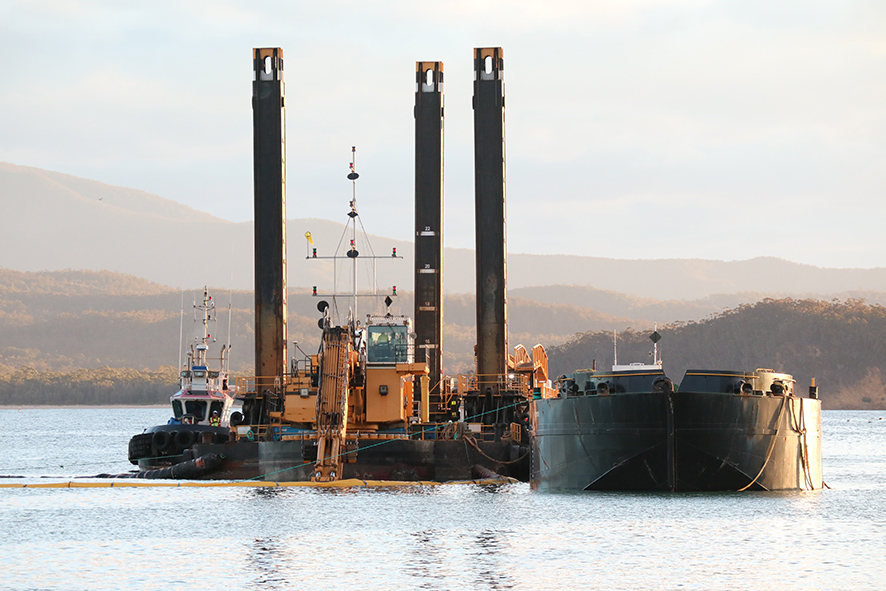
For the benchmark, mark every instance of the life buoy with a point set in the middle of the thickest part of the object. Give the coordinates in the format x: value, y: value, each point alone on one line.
x: 161, y: 440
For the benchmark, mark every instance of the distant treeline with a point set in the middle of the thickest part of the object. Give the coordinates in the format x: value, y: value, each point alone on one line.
x: 74, y: 282
x: 101, y: 386
x: 52, y: 324
x: 842, y: 344
x: 65, y: 320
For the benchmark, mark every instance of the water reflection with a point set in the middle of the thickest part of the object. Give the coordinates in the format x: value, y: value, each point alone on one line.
x: 491, y: 567
x: 267, y: 562
x: 448, y: 537
x: 426, y: 559
x: 266, y: 492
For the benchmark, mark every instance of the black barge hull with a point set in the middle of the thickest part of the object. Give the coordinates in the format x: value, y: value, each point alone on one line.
x: 657, y: 441
x: 403, y: 460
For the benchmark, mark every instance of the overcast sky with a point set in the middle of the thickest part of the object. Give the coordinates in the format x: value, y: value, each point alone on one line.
x: 635, y: 128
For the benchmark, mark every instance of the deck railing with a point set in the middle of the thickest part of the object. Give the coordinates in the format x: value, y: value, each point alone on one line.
x: 501, y: 382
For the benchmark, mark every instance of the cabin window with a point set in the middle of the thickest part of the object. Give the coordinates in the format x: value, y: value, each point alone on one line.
x: 388, y: 344
x: 186, y: 374
x: 177, y: 408
x: 196, y: 408
x: 199, y: 374
x: 216, y: 406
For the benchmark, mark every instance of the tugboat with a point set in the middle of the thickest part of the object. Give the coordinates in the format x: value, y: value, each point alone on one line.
x: 633, y: 429
x: 201, y: 408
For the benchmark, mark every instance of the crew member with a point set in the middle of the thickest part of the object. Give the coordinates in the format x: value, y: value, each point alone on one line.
x: 214, y: 420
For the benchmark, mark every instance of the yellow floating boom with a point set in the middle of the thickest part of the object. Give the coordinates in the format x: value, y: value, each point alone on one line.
x: 349, y: 483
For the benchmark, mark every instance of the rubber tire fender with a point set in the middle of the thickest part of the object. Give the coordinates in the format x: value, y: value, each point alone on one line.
x: 161, y: 440
x: 185, y: 439
x: 140, y: 447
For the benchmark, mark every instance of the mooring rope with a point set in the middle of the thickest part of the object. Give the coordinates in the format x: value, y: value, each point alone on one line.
x: 470, y: 439
x: 772, y: 443
x: 804, y: 447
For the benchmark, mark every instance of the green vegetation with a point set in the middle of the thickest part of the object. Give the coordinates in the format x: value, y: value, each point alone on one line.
x: 100, y: 386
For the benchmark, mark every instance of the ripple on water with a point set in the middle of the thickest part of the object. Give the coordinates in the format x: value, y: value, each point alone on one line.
x: 450, y: 537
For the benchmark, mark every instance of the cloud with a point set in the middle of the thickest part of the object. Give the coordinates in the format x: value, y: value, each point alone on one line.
x: 648, y: 110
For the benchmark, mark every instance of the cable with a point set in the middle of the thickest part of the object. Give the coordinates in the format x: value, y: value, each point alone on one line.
x: 771, y: 446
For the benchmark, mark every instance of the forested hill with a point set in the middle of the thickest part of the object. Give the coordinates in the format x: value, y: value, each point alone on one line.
x: 71, y: 320
x: 840, y: 343
x: 59, y: 329
x: 76, y: 283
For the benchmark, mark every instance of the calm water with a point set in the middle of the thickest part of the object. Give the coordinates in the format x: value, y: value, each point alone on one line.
x: 447, y: 537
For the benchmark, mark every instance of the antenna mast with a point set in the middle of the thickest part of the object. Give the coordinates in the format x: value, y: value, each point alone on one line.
x: 352, y: 253
x: 353, y: 176
x: 615, y: 347
x: 181, y: 331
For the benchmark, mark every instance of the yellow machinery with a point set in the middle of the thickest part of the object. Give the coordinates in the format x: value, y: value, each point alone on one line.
x: 359, y: 384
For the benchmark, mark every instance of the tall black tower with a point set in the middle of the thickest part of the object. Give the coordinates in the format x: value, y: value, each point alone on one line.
x: 429, y: 217
x: 269, y: 165
x: 489, y: 207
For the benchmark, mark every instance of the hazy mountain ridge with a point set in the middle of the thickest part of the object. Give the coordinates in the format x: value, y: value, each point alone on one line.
x: 669, y: 279
x: 55, y: 221
x: 60, y: 190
